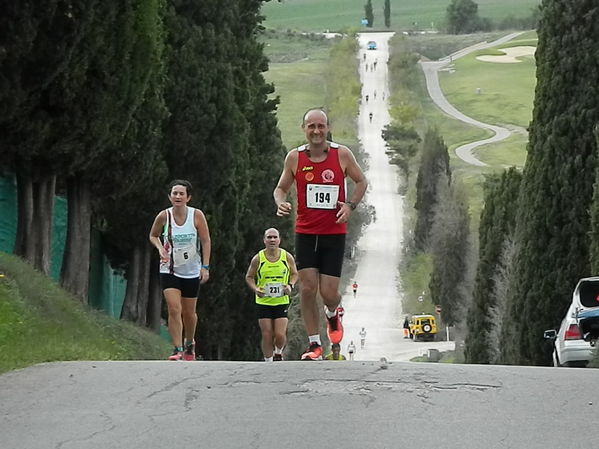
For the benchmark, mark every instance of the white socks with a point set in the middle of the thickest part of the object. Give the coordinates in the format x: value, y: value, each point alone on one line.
x: 314, y: 339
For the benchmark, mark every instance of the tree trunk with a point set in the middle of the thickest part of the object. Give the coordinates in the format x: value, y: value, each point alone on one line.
x: 138, y: 280
x: 154, y: 296
x: 43, y: 216
x: 24, y: 243
x: 74, y: 276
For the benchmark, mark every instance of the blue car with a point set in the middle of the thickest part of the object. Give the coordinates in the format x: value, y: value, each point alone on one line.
x: 371, y: 45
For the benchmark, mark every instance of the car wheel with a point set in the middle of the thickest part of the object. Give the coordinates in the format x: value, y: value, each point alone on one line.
x: 427, y: 328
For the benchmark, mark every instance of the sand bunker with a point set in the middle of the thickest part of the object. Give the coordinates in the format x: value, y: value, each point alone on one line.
x: 510, y: 56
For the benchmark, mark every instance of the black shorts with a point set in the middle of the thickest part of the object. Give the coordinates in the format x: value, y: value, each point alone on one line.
x: 190, y: 288
x: 271, y: 312
x: 323, y: 252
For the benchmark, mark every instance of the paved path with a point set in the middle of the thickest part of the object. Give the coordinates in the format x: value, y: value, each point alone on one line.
x: 296, y: 405
x: 377, y: 306
x: 431, y: 73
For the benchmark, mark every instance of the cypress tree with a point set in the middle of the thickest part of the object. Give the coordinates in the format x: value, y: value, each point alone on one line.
x: 434, y: 167
x: 369, y: 14
x: 387, y: 13
x: 450, y: 249
x: 552, y: 228
x: 496, y: 227
x: 594, y: 249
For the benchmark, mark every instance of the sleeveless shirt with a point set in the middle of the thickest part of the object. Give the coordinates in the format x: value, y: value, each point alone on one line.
x: 182, y: 244
x: 272, y: 276
x: 319, y: 186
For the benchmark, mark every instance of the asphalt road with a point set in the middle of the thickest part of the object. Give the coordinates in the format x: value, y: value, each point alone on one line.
x: 349, y: 405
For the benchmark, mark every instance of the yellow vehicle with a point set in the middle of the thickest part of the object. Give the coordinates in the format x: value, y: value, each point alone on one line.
x: 423, y: 327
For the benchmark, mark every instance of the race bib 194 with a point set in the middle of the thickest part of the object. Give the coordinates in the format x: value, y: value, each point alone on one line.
x: 320, y: 196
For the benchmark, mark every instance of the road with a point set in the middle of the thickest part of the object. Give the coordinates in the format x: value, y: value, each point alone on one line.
x: 431, y: 73
x: 296, y: 405
x: 377, y: 306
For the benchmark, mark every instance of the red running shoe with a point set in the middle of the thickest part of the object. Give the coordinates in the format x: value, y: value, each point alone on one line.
x: 314, y: 352
x: 335, y: 328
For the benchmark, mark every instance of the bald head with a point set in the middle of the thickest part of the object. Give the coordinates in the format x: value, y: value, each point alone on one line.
x: 314, y: 113
x: 271, y: 231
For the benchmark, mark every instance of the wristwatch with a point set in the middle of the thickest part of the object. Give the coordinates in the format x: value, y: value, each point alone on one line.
x: 206, y: 267
x: 351, y: 204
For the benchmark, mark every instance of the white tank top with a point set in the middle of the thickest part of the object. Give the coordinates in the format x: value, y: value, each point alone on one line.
x: 183, y: 246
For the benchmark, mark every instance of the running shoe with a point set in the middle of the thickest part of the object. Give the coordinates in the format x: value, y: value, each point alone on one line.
x: 335, y: 328
x: 314, y: 352
x: 177, y: 355
x: 190, y: 352
x: 277, y: 357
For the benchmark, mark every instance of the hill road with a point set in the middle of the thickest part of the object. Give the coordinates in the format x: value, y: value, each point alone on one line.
x: 377, y: 306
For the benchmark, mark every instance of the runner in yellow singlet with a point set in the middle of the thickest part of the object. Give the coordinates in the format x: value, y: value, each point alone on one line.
x: 272, y: 275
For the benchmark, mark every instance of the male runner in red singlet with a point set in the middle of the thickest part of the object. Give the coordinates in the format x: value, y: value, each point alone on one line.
x: 319, y: 169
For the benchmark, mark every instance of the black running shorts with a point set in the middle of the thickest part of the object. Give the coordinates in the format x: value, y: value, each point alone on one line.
x: 272, y: 312
x: 323, y: 252
x: 190, y: 288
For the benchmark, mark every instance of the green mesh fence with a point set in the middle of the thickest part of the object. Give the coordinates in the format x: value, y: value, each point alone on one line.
x: 106, y: 289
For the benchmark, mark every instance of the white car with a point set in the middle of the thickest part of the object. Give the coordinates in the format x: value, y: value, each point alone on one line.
x: 586, y: 299
x: 580, y: 323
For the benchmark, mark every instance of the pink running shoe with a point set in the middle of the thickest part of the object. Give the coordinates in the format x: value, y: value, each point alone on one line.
x: 177, y: 355
x: 190, y: 352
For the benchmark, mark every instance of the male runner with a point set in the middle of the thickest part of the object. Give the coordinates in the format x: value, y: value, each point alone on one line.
x: 355, y: 288
x: 271, y: 276
x: 319, y: 169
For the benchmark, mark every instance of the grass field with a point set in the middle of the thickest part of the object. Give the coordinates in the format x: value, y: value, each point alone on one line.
x: 297, y: 69
x: 506, y: 89
x: 333, y: 15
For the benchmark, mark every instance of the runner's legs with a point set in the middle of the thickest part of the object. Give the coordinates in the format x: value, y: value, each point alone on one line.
x: 308, y: 278
x: 267, y: 327
x: 175, y: 323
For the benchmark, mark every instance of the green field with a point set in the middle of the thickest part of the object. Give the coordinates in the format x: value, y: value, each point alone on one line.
x: 506, y: 89
x: 333, y: 15
x: 505, y: 99
x: 297, y: 69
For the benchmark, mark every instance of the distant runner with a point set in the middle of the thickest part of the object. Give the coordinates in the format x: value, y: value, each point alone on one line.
x: 362, y: 338
x: 354, y: 287
x: 351, y: 349
x: 335, y: 353
x: 370, y: 117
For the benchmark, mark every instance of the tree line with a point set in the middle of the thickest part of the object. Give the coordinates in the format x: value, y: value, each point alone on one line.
x: 539, y: 228
x: 105, y: 102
